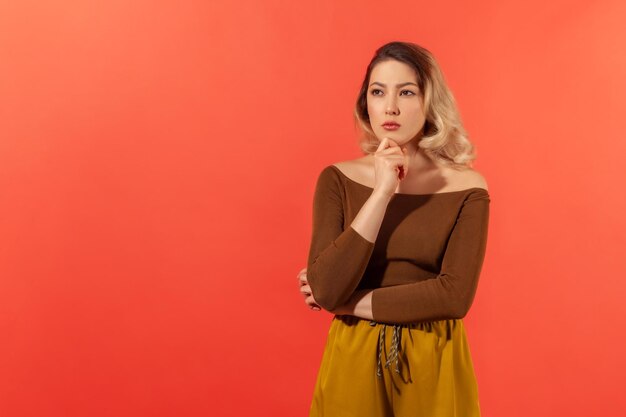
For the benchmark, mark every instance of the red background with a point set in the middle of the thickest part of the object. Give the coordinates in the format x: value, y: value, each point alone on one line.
x: 157, y: 165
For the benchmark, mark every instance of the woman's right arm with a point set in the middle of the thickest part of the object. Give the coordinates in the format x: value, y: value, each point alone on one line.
x: 338, y: 258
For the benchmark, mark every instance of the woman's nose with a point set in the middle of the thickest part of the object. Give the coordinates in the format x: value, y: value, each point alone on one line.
x: 392, y: 107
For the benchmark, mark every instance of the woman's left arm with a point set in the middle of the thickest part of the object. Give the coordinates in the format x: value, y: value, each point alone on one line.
x: 450, y: 294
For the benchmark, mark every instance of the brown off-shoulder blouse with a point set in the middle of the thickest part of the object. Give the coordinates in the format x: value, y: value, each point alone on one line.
x: 425, y: 262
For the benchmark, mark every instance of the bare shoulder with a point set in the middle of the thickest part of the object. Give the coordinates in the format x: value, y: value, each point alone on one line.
x: 470, y: 178
x: 358, y: 169
x: 355, y: 163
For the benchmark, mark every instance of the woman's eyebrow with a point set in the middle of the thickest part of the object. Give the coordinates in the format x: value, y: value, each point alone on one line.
x: 397, y: 85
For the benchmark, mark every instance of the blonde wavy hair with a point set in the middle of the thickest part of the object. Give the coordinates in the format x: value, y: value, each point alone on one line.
x: 444, y: 137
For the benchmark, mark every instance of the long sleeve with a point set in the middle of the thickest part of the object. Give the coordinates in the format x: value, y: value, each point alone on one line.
x: 450, y: 294
x: 337, y: 257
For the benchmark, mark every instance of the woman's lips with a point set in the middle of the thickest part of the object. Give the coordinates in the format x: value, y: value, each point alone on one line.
x: 391, y: 126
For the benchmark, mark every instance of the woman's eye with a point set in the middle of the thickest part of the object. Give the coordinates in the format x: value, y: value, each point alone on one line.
x: 408, y: 91
x: 374, y: 91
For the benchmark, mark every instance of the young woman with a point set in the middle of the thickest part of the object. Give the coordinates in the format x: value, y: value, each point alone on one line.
x: 398, y: 242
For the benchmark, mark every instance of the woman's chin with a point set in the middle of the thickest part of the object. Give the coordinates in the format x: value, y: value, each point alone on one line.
x: 397, y: 139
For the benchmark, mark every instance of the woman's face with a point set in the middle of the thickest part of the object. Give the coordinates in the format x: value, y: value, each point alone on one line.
x: 393, y: 96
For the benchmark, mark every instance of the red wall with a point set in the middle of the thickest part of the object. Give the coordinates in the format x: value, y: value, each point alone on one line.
x: 157, y: 165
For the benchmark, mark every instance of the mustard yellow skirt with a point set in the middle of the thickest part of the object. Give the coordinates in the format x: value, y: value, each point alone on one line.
x: 410, y: 370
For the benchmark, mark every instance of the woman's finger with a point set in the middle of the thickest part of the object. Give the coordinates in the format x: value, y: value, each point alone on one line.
x: 302, y: 279
x: 302, y: 273
x: 383, y: 144
x: 393, y: 143
x: 395, y: 160
x: 310, y: 301
x: 306, y: 290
